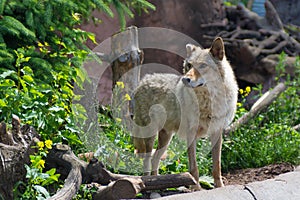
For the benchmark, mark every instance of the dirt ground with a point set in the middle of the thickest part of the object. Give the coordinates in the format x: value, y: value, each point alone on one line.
x: 245, y: 176
x: 239, y: 177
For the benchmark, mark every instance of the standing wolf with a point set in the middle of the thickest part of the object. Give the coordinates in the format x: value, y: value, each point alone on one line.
x: 199, y: 104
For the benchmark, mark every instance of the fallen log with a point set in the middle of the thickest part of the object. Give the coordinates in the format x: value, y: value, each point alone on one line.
x: 114, y: 186
x: 262, y: 103
x: 125, y: 188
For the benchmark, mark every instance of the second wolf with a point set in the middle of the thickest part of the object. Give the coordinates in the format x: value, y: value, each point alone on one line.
x: 199, y: 104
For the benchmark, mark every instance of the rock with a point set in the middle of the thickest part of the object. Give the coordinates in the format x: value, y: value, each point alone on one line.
x: 284, y: 186
x: 232, y: 192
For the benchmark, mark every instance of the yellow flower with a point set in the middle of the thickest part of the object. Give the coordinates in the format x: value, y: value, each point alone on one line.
x: 41, y: 164
x: 239, y: 104
x: 248, y: 89
x: 127, y: 97
x: 241, y: 91
x: 120, y: 84
x: 40, y: 145
x: 40, y: 44
x: 48, y: 144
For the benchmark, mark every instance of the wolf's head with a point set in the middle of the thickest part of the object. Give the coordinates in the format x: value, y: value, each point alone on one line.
x: 201, y: 64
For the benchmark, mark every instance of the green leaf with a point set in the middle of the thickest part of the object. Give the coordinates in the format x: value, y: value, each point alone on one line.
x: 6, y: 57
x: 103, y: 6
x: 2, y: 103
x: 2, y: 4
x: 7, y: 83
x: 42, y: 190
x: 11, y: 25
x: 92, y: 37
x: 126, y: 10
x: 27, y: 70
x: 146, y: 4
x: 28, y: 78
x: 51, y: 171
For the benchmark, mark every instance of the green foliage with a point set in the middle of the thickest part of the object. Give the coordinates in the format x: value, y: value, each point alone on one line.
x: 41, y: 55
x: 268, y: 138
x: 38, y: 181
x: 85, y: 192
x: 116, y: 149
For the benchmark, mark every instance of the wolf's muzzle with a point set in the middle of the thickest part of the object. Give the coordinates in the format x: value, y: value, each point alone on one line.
x: 188, y: 82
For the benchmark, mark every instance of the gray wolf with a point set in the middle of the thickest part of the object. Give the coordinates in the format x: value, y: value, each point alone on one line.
x: 200, y: 103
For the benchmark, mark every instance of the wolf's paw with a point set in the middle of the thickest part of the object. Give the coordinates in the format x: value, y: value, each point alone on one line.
x: 218, y: 183
x: 196, y: 187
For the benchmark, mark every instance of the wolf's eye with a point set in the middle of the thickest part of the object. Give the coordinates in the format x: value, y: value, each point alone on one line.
x: 188, y: 66
x: 203, y: 65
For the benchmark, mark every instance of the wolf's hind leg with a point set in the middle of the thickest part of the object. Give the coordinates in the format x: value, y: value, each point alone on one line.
x: 216, y: 157
x: 164, y: 139
x: 149, y: 142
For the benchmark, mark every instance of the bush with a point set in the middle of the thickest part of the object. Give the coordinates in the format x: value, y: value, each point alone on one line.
x: 41, y: 55
x: 269, y: 137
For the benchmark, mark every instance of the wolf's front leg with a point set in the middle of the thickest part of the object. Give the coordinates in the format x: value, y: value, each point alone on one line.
x: 193, y: 168
x: 216, y: 142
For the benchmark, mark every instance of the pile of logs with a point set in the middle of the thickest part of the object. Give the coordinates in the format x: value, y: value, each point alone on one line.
x: 112, y: 186
x: 253, y: 43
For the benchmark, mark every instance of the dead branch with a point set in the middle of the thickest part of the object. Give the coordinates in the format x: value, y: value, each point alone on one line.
x: 249, y: 39
x: 72, y: 183
x: 116, y: 185
x: 263, y: 102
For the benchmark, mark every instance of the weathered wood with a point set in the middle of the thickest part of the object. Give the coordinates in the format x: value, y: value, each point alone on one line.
x: 74, y: 179
x: 126, y: 55
x: 125, y: 188
x: 249, y: 39
x: 78, y: 172
x: 168, y: 181
x: 15, y: 148
x: 263, y: 102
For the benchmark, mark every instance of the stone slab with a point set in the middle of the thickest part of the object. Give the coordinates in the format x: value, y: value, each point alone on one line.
x: 285, y: 186
x: 231, y: 192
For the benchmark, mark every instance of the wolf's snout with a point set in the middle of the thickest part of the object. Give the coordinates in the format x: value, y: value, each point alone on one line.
x: 186, y: 81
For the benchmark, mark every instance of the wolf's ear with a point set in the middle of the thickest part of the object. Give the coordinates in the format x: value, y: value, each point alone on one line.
x: 189, y: 49
x: 217, y: 49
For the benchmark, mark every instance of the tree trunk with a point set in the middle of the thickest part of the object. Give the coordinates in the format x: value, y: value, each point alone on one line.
x: 15, y: 148
x: 126, y: 55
